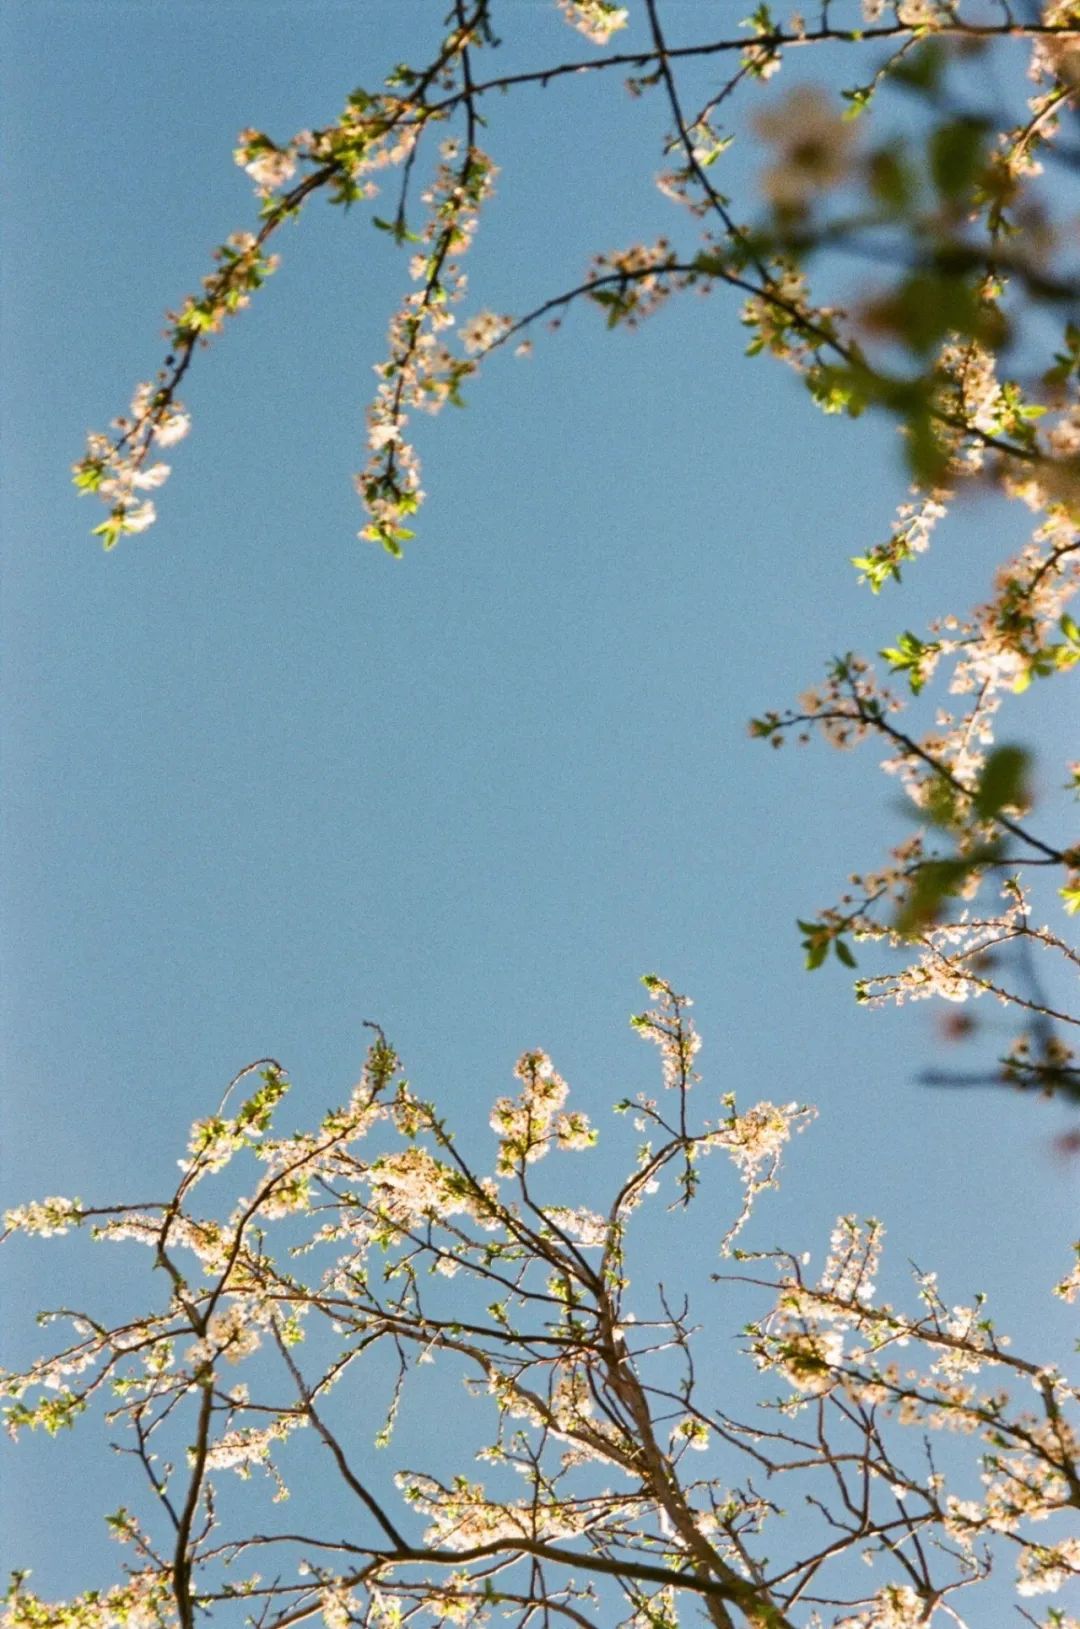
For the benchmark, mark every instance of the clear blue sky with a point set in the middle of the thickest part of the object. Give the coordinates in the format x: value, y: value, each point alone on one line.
x: 262, y: 783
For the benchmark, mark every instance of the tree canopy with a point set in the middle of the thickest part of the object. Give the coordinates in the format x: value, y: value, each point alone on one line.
x: 406, y: 1252
x: 959, y: 324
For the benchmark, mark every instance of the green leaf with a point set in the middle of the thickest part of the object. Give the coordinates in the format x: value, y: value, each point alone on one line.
x: 927, y: 457
x: 923, y: 69
x: 1003, y: 782
x: 907, y: 656
x: 956, y: 156
x: 397, y: 230
x: 838, y: 390
x: 109, y: 532
x: 934, y: 882
x: 860, y: 97
x: 892, y: 181
x: 817, y: 937
x: 876, y: 569
x: 920, y: 311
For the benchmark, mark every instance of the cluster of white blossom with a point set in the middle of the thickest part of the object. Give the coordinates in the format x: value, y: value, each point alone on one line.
x: 339, y: 1607
x: 683, y: 183
x: 915, y: 523
x: 463, y: 1515
x: 784, y: 320
x: 409, y: 1186
x: 44, y: 1217
x: 144, y: 1601
x: 116, y: 467
x: 231, y: 1333
x: 581, y: 1224
x: 973, y: 402
x: 851, y: 1266
x: 421, y: 371
x: 666, y: 1025
x: 805, y: 1334
x: 249, y: 1446
x: 1031, y: 594
x: 754, y: 1140
x: 530, y: 1124
x: 952, y: 958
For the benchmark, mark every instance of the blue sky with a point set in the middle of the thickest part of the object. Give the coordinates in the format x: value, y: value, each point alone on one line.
x: 262, y: 783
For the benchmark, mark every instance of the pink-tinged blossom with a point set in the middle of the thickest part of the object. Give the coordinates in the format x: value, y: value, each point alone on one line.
x: 813, y: 145
x: 1057, y: 58
x: 483, y: 331
x: 924, y: 13
x: 897, y: 1606
x: 268, y: 165
x: 596, y: 19
x: 1044, y: 1569
x: 1069, y: 1287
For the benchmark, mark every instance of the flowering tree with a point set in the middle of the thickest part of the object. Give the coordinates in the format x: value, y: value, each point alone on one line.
x: 965, y: 338
x: 618, y: 1486
x: 371, y: 1246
